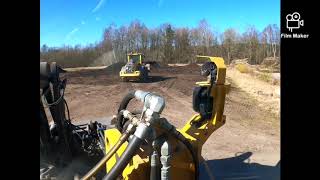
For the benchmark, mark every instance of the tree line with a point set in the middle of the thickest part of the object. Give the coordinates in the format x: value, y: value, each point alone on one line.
x: 169, y: 44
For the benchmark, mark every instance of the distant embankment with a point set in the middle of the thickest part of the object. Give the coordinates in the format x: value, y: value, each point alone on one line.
x: 105, y: 59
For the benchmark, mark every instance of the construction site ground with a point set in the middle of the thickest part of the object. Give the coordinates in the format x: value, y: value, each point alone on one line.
x: 246, y: 147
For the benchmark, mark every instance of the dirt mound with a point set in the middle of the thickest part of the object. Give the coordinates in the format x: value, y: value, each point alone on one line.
x: 271, y: 65
x: 114, y: 68
x: 105, y: 76
x: 154, y: 65
x: 270, y: 61
x: 181, y: 69
x: 242, y: 65
x: 161, y: 64
x: 192, y: 68
x: 239, y: 61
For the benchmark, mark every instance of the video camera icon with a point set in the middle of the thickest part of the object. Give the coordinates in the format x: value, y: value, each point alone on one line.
x: 293, y: 21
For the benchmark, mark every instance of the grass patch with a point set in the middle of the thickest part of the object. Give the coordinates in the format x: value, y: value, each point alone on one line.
x: 265, y: 77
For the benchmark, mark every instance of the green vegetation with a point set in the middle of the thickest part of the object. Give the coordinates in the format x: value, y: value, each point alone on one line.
x: 265, y: 77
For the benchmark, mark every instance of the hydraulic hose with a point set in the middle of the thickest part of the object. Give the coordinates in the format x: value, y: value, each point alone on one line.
x: 103, y: 161
x: 123, y: 105
x: 124, y: 159
x: 130, y: 151
x: 194, y: 155
x: 172, y: 131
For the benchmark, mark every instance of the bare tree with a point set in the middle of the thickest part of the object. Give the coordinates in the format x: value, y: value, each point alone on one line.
x: 182, y: 45
x: 272, y: 33
x: 251, y: 40
x: 205, y: 36
x: 171, y: 44
x: 229, y: 40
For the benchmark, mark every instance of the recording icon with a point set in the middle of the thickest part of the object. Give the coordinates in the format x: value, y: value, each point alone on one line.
x: 293, y: 21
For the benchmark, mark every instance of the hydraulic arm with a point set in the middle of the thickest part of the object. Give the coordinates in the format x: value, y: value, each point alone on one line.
x: 154, y: 148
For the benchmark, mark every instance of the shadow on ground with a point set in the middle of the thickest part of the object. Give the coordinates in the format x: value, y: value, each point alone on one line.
x: 239, y: 167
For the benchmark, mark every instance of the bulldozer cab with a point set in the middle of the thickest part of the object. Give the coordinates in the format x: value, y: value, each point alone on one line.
x: 134, y: 68
x: 135, y: 58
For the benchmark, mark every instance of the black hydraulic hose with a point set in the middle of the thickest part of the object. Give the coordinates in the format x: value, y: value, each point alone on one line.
x: 44, y: 128
x: 125, y: 158
x: 185, y: 141
x: 125, y: 101
x: 123, y: 105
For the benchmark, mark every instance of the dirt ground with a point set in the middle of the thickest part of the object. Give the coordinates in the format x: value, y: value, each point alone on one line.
x: 248, y: 145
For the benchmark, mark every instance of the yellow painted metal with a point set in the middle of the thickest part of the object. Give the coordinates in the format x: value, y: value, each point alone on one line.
x: 134, y: 74
x: 136, y: 168
x: 111, y: 138
x: 139, y: 168
x: 204, y: 83
x: 199, y: 135
x: 182, y: 166
x: 221, y: 73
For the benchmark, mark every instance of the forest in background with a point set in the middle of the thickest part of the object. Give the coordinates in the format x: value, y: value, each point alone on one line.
x: 169, y: 44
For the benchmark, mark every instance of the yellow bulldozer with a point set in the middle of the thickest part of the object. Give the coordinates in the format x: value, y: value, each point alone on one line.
x: 135, y: 69
x: 143, y: 144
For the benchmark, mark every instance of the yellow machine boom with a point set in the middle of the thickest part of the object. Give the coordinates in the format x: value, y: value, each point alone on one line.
x: 197, y: 130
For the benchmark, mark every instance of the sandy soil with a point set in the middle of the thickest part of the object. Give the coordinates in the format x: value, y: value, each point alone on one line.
x: 268, y: 95
x: 248, y: 145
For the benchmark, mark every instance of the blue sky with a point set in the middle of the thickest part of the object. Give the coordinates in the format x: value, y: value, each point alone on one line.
x: 72, y: 22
